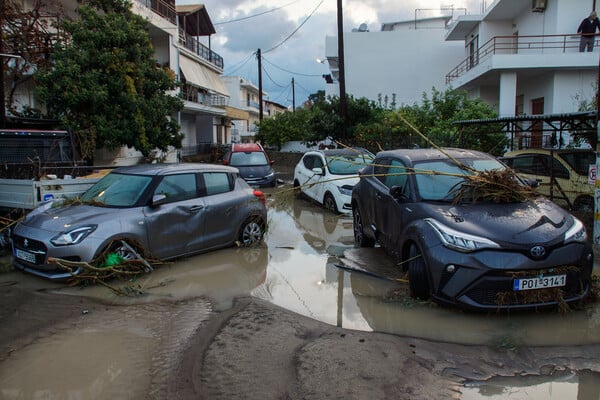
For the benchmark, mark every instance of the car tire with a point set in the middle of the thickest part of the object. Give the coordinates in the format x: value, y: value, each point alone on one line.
x: 360, y: 238
x: 125, y: 251
x: 252, y: 232
x: 297, y: 190
x: 417, y: 274
x: 329, y: 203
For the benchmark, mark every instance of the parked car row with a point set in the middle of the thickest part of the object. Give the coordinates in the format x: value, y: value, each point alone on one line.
x: 480, y: 255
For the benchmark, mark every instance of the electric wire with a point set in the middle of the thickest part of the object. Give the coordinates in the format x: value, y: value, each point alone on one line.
x: 256, y: 15
x: 297, y: 29
x: 288, y: 71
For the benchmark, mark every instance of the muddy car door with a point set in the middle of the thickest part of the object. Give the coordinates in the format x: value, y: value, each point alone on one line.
x: 179, y: 218
x: 223, y: 212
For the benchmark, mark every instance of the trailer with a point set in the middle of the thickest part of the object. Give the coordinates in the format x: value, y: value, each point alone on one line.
x: 25, y: 194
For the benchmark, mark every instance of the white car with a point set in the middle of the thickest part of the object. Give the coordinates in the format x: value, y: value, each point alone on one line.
x: 328, y: 176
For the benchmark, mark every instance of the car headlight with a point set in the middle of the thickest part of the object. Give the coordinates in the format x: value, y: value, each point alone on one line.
x: 345, y: 189
x: 576, y: 233
x: 73, y: 236
x: 460, y: 241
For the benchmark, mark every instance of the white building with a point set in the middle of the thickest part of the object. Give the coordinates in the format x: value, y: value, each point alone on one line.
x: 523, y: 56
x: 245, y: 96
x: 399, y: 63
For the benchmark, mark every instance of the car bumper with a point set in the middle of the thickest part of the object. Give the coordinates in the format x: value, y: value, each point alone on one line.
x: 484, y: 280
x: 32, y: 249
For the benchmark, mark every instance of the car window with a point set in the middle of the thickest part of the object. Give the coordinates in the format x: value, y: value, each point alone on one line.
x: 178, y: 187
x: 248, y: 158
x: 117, y: 190
x: 397, y: 175
x: 216, y: 182
x: 312, y: 161
x: 347, y: 164
x: 579, y: 161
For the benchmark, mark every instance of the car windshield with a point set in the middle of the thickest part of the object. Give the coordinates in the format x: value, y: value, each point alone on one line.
x: 442, y: 187
x: 347, y: 164
x: 249, y: 158
x: 117, y: 190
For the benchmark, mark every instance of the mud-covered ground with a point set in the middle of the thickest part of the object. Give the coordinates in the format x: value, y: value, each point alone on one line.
x: 183, y: 349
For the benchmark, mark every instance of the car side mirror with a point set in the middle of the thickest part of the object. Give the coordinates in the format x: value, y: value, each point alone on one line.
x: 532, y: 183
x: 318, y: 171
x: 158, y: 199
x: 398, y: 193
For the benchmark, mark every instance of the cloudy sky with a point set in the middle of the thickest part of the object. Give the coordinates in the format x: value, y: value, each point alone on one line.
x: 291, y: 35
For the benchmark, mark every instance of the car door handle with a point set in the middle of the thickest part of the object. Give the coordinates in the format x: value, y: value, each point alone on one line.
x: 378, y: 196
x: 194, y: 209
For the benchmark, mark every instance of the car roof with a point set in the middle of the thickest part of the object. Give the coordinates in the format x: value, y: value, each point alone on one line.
x: 246, y: 147
x: 546, y: 151
x: 417, y: 155
x: 168, y: 169
x: 346, y: 151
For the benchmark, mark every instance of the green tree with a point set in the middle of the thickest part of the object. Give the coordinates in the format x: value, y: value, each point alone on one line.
x: 105, y: 84
x: 434, y: 117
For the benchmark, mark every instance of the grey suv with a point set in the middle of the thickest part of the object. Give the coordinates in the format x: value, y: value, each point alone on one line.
x: 476, y: 254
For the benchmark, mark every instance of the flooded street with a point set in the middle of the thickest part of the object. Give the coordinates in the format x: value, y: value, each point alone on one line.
x: 307, y: 265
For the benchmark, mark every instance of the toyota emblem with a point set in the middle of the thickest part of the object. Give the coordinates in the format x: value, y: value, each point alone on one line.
x: 537, y: 251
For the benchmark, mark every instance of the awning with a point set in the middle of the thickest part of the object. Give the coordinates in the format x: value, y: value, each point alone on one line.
x: 236, y: 113
x: 202, y: 76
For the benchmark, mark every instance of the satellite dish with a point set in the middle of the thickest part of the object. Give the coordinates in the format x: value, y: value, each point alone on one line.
x: 363, y: 28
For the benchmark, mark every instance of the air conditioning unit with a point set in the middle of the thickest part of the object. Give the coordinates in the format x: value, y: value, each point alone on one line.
x: 538, y: 5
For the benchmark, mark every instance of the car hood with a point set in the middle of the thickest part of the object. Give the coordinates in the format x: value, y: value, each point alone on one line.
x: 56, y: 219
x: 254, y: 171
x: 536, y: 221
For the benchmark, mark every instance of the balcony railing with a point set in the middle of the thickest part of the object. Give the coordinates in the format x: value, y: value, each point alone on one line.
x: 162, y: 8
x: 542, y: 44
x: 195, y: 95
x: 193, y: 44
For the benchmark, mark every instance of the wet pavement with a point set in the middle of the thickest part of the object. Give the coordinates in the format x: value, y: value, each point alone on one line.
x: 308, y: 265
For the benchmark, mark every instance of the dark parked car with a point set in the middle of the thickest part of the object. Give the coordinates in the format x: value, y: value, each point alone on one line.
x: 161, y: 211
x: 480, y: 255
x: 253, y: 163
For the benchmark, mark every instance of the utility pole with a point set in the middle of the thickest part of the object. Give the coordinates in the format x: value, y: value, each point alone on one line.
x: 342, y: 78
x: 293, y: 96
x: 2, y: 91
x: 260, y: 91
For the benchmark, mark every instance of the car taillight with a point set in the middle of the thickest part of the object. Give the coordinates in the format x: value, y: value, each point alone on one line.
x: 261, y: 196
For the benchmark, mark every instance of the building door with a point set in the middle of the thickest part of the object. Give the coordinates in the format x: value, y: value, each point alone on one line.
x: 537, y: 108
x: 473, y: 52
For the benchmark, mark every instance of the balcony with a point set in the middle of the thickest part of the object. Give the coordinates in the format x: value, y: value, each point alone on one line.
x: 163, y: 8
x: 193, y: 44
x: 516, y: 47
x: 193, y: 94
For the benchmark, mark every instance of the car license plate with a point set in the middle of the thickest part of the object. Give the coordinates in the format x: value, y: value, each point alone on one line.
x: 25, y: 255
x: 540, y: 282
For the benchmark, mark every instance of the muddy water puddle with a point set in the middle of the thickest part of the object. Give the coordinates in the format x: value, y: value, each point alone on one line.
x: 307, y: 265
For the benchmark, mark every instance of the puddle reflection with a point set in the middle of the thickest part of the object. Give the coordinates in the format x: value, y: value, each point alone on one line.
x: 302, y: 276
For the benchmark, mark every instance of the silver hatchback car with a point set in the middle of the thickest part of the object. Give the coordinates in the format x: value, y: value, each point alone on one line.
x: 162, y: 211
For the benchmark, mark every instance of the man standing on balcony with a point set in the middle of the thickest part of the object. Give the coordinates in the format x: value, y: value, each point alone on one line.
x: 587, y: 30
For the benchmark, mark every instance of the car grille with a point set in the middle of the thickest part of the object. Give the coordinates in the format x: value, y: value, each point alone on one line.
x: 31, y: 246
x: 497, y: 290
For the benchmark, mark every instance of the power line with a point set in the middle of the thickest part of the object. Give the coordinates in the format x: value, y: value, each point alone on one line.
x: 288, y: 71
x: 269, y: 76
x: 240, y: 64
x: 297, y: 29
x: 256, y: 15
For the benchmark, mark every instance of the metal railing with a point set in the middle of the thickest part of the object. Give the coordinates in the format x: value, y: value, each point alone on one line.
x: 193, y: 44
x: 162, y: 8
x: 541, y: 44
x: 196, y: 95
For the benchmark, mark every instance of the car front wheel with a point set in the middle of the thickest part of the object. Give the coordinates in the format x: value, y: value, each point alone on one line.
x: 417, y: 274
x: 252, y: 232
x: 329, y: 203
x: 360, y: 239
